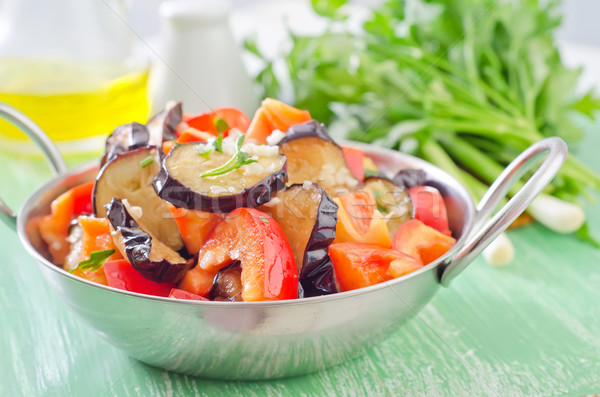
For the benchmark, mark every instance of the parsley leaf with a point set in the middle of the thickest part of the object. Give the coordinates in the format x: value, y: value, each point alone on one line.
x: 221, y: 125
x: 96, y: 259
x: 238, y: 159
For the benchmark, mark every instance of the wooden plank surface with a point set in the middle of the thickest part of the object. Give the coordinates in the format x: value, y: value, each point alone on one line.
x: 532, y: 328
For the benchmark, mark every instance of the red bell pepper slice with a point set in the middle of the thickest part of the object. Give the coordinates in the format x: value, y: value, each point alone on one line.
x: 359, y: 265
x: 430, y: 207
x: 181, y: 294
x: 121, y: 274
x: 418, y: 240
x: 269, y: 270
x: 207, y: 122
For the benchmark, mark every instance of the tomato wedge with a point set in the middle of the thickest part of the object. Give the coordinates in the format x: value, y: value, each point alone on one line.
x: 274, y: 115
x: 359, y: 265
x: 418, y: 240
x: 194, y: 226
x: 269, y: 270
x: 121, y: 274
x: 430, y: 207
x: 54, y: 228
x: 359, y: 220
x: 181, y: 294
x: 355, y: 158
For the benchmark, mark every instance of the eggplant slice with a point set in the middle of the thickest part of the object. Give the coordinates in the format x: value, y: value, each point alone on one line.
x: 410, y: 177
x: 393, y: 201
x: 308, y: 217
x: 153, y: 259
x: 227, y: 285
x: 313, y: 156
x: 179, y: 180
x: 123, y: 139
x: 126, y: 177
x: 163, y: 126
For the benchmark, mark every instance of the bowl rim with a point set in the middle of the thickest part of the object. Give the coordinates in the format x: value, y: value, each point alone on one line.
x: 466, y: 199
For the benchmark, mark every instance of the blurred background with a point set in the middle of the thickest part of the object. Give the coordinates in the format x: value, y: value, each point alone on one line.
x: 93, y: 64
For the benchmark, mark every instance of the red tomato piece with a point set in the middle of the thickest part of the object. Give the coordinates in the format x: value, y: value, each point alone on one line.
x: 355, y: 158
x: 418, y: 240
x: 255, y: 239
x: 181, y: 294
x: 430, y: 207
x: 121, y: 274
x: 272, y: 115
x: 359, y: 265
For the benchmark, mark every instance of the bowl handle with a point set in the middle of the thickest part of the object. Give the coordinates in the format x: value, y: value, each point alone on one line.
x: 484, y: 229
x: 37, y: 135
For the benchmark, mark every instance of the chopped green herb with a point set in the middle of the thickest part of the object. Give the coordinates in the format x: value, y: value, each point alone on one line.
x: 97, y: 259
x: 221, y: 125
x: 218, y: 143
x: 238, y: 159
x: 175, y: 142
x: 147, y: 161
x: 369, y: 172
x: 265, y: 220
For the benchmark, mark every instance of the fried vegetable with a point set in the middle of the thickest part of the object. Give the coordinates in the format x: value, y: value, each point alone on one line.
x: 256, y: 240
x: 308, y: 217
x: 163, y: 126
x: 392, y: 201
x: 313, y: 156
x: 125, y: 138
x: 227, y: 285
x: 124, y: 177
x: 200, y: 177
x: 410, y: 177
x: 151, y: 258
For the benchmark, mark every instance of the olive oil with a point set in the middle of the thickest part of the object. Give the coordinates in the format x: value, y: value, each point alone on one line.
x: 72, y: 101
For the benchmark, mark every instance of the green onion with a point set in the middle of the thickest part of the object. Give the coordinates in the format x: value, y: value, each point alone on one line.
x: 147, y: 161
x: 221, y: 125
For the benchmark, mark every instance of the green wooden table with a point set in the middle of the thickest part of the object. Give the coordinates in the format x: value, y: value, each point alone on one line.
x: 532, y: 328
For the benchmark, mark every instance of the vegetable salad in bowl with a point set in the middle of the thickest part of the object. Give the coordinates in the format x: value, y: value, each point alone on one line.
x: 219, y: 207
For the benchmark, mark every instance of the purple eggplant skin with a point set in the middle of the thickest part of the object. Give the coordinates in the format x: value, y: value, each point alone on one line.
x: 410, y: 177
x: 124, y: 138
x: 317, y: 274
x: 173, y: 117
x: 308, y: 217
x: 309, y: 129
x: 138, y: 245
x: 181, y: 196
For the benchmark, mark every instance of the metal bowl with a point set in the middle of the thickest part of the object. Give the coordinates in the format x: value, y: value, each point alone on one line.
x: 267, y: 340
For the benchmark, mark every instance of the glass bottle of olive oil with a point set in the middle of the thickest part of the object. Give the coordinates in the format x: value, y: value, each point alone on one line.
x: 74, y: 73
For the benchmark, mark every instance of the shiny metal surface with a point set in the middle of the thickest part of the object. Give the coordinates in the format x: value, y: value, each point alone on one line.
x: 262, y: 340
x: 33, y: 131
x: 485, y: 232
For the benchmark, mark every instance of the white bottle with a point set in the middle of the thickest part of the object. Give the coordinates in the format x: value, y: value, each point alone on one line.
x: 199, y: 62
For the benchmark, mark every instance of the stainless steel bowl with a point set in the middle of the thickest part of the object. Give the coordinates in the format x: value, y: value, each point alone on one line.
x: 267, y: 340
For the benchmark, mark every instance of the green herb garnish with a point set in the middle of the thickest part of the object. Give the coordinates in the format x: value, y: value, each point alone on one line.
x: 97, y: 259
x: 147, y: 161
x: 221, y: 125
x: 265, y: 220
x: 238, y: 159
x: 369, y: 172
x: 218, y: 143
